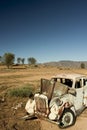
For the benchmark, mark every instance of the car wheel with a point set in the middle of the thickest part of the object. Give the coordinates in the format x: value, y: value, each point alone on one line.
x: 67, y: 119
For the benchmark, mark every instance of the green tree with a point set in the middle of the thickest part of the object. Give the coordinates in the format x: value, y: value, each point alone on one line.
x: 82, y: 65
x: 8, y: 59
x: 0, y: 59
x: 32, y: 61
x: 23, y: 60
x: 18, y: 60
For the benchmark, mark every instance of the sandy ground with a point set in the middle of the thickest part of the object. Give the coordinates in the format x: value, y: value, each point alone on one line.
x: 9, y: 120
x: 81, y: 124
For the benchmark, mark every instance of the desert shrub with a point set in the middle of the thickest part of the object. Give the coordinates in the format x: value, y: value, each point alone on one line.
x: 82, y: 66
x: 21, y: 92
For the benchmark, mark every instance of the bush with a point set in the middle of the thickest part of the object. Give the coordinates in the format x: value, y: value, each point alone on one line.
x: 21, y: 92
x: 82, y: 66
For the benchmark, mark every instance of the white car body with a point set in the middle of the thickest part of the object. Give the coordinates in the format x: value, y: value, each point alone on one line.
x: 60, y: 99
x: 79, y: 84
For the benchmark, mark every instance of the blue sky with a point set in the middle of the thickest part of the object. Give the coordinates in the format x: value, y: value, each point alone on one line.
x: 48, y: 30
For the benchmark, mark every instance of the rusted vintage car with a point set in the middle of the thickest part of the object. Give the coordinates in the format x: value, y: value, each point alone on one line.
x: 60, y: 99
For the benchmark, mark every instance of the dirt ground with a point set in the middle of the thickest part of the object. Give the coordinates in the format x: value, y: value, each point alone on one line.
x: 10, y: 117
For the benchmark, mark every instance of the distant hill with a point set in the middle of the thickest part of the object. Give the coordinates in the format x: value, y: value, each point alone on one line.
x: 67, y: 64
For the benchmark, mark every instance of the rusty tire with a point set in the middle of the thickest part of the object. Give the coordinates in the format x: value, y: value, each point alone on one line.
x: 67, y: 119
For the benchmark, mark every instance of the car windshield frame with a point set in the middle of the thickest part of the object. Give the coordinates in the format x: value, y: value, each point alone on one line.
x: 65, y: 81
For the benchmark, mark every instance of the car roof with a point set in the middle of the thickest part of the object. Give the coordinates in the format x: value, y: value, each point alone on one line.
x: 69, y: 76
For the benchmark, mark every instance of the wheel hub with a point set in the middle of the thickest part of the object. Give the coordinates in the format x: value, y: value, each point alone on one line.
x: 67, y: 119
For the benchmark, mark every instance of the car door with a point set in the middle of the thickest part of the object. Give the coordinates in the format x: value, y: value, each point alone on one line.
x: 85, y: 91
x: 78, y: 100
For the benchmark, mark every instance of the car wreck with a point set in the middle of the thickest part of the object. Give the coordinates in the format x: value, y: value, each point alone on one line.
x: 61, y: 99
